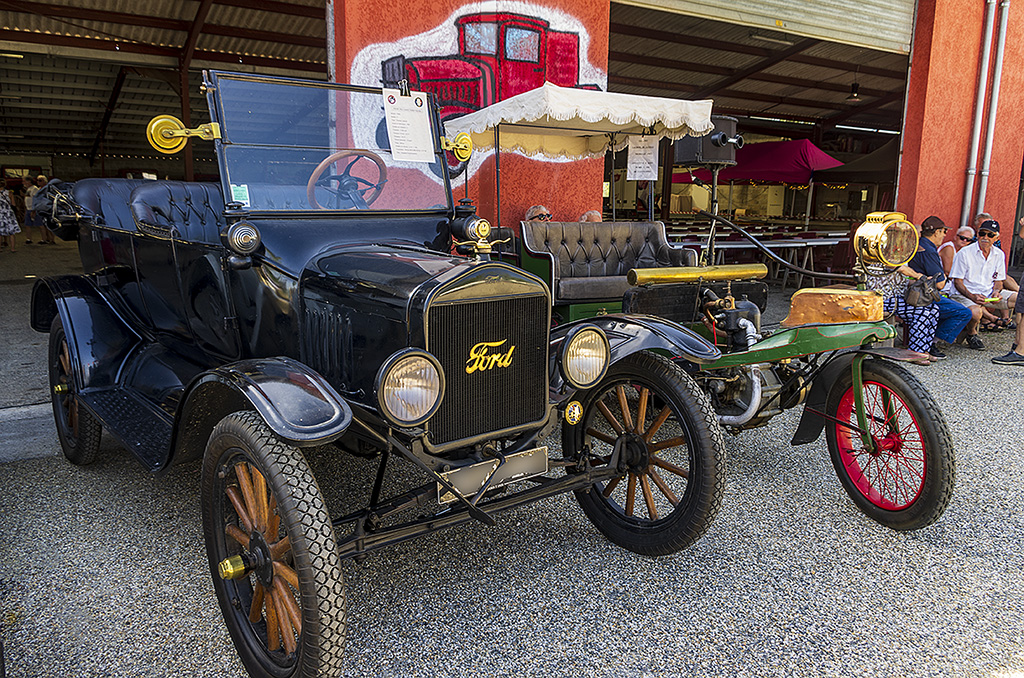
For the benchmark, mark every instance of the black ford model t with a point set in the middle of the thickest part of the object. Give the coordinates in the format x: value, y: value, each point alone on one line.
x: 310, y: 298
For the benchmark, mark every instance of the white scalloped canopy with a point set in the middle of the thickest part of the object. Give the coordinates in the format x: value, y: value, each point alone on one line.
x: 578, y: 123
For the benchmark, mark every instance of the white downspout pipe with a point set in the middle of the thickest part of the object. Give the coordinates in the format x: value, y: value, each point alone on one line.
x: 979, y: 110
x: 990, y: 128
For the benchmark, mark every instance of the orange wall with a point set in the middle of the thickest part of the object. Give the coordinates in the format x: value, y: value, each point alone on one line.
x: 940, y: 111
x: 568, y: 189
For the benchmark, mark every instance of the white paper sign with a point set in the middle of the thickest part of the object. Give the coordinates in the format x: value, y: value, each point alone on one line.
x: 643, y: 159
x: 408, y: 126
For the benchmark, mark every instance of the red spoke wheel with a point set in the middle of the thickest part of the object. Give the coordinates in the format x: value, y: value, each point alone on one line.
x: 272, y: 553
x: 77, y: 429
x: 904, y: 480
x: 670, y: 450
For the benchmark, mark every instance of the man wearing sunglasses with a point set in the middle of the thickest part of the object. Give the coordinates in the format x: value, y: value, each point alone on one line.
x: 953, y: 317
x: 978, y: 272
x: 1013, y: 357
x: 538, y: 213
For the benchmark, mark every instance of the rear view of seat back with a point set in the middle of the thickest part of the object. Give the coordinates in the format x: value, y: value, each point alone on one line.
x: 189, y: 211
x: 107, y: 201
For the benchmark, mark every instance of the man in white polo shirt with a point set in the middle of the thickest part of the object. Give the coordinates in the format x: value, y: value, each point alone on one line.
x: 978, y: 272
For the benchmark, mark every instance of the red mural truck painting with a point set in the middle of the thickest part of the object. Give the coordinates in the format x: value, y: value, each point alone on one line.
x: 500, y: 55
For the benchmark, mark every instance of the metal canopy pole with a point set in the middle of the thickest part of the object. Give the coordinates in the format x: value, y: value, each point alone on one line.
x: 707, y: 257
x: 612, y: 192
x: 497, y: 177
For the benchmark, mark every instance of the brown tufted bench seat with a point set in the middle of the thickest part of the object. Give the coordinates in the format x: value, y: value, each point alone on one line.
x: 589, y: 261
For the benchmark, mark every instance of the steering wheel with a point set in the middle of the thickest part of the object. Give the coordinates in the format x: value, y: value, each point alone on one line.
x: 352, y: 192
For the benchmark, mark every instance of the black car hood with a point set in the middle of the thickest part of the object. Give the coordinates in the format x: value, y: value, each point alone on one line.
x: 380, y: 271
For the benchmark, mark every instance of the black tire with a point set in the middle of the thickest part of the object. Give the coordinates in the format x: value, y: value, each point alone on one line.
x: 295, y: 543
x: 908, y: 482
x: 78, y: 430
x: 679, y: 508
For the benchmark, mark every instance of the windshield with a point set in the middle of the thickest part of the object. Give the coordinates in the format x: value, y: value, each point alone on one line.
x: 290, y: 145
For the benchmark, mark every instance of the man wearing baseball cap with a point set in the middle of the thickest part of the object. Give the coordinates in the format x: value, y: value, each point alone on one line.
x: 978, y: 272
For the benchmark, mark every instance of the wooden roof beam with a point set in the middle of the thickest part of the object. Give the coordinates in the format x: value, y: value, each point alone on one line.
x: 724, y: 46
x: 152, y: 50
x: 115, y: 93
x: 673, y: 64
x: 163, y: 23
x: 776, y: 57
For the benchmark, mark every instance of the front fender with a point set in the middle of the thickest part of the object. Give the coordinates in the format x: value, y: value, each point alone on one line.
x: 811, y: 424
x: 296, y: 403
x: 628, y: 334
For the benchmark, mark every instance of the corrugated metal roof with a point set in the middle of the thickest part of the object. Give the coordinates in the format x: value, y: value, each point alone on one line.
x: 53, y: 100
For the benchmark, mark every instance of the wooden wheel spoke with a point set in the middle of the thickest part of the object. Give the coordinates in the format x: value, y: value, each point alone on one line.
x: 256, y: 609
x: 665, y: 444
x: 259, y: 490
x: 669, y: 466
x: 641, y: 409
x: 275, y: 520
x: 280, y: 548
x: 239, y: 503
x: 630, y: 494
x: 610, y: 487
x: 286, y: 601
x: 620, y: 393
x: 657, y: 423
x: 652, y: 512
x: 288, y: 574
x: 663, y: 486
x: 73, y: 416
x: 273, y: 625
x: 235, y: 533
x: 612, y: 421
x: 603, y: 437
x: 245, y: 485
x: 284, y: 621
x: 65, y: 358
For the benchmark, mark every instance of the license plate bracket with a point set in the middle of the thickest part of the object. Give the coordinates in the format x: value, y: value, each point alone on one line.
x: 518, y: 466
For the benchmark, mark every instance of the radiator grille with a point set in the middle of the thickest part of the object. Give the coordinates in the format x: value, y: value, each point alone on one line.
x: 499, y: 397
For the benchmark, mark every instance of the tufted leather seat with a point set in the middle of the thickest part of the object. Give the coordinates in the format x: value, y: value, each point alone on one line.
x: 189, y: 211
x: 106, y: 200
x: 589, y: 261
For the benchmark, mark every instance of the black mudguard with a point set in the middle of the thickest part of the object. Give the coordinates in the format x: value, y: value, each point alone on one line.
x: 811, y: 425
x: 99, y: 338
x: 628, y: 334
x: 296, y: 402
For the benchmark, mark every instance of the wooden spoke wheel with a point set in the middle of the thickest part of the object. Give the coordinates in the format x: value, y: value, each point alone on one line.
x: 272, y: 553
x: 904, y: 478
x: 77, y: 429
x: 651, y: 416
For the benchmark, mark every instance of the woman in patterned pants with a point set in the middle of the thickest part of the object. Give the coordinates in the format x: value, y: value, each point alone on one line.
x: 920, y: 321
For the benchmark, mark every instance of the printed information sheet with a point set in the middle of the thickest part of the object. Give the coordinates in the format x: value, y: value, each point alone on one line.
x: 408, y: 126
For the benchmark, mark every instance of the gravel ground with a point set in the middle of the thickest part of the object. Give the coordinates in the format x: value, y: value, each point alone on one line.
x: 103, y: 572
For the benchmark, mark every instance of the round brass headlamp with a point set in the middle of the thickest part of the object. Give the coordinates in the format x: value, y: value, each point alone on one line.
x: 887, y: 239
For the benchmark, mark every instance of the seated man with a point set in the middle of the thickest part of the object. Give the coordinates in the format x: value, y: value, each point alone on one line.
x: 953, y: 317
x: 1009, y: 283
x: 592, y: 215
x: 537, y: 213
x: 978, y: 272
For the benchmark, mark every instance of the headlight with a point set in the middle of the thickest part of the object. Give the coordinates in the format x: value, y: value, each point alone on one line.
x: 409, y: 387
x: 585, y: 357
x: 886, y: 238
